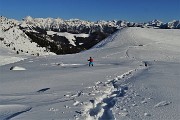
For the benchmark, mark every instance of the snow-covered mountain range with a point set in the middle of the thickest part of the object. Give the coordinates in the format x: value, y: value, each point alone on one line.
x: 42, y: 36
x: 81, y: 26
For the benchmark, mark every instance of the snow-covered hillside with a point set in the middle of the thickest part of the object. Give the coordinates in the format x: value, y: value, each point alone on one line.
x: 135, y: 77
x: 15, y: 40
x: 31, y: 36
x: 69, y: 36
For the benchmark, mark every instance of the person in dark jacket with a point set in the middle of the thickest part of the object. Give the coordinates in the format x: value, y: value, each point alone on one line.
x: 91, y: 61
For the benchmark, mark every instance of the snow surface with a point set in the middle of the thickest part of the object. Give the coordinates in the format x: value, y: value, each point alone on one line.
x: 69, y: 36
x: 135, y: 77
x: 6, y: 57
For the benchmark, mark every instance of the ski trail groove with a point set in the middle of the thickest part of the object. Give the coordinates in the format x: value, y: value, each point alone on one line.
x: 18, y: 113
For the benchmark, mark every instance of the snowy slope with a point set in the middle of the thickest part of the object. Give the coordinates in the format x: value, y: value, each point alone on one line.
x: 69, y: 36
x: 15, y: 40
x: 135, y: 76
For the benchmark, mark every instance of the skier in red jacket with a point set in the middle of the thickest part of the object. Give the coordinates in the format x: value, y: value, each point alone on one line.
x: 91, y: 61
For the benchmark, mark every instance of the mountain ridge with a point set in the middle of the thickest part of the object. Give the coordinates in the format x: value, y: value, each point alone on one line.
x: 49, y: 35
x: 174, y: 24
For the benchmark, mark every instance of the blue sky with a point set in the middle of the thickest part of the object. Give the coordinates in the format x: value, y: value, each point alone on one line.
x: 93, y: 10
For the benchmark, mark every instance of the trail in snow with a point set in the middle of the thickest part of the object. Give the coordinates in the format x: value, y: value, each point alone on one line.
x: 100, y: 108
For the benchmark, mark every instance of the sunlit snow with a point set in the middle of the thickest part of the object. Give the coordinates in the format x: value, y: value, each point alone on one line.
x: 135, y: 76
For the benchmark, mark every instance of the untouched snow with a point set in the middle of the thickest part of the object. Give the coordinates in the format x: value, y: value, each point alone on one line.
x: 135, y: 77
x: 6, y: 57
x: 9, y: 59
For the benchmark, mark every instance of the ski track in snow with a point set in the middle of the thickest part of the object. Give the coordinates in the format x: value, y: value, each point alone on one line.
x: 9, y: 111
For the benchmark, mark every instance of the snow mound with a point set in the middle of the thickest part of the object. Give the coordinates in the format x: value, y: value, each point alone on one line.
x: 17, y: 68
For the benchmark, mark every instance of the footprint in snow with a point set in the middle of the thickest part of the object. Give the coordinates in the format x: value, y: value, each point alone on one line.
x: 144, y: 101
x: 123, y: 113
x: 78, y: 94
x: 65, y: 106
x: 134, y: 105
x: 76, y: 103
x: 147, y: 114
x: 67, y: 95
x: 53, y: 109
